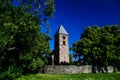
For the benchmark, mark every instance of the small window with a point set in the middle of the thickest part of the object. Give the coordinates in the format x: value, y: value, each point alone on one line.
x: 64, y: 37
x: 64, y: 43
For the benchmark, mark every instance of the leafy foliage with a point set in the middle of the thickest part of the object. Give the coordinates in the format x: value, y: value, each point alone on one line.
x: 23, y: 48
x: 10, y: 74
x: 98, y: 46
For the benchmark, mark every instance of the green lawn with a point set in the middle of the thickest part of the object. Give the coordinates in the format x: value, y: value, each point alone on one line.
x: 112, y: 76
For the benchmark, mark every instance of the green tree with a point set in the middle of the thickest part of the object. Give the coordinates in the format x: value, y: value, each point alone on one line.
x: 23, y: 48
x: 98, y: 46
x: 70, y: 58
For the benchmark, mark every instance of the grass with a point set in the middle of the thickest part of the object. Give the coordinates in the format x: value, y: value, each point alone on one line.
x: 110, y: 76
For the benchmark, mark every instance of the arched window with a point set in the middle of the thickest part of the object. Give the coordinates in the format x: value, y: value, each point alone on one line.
x: 64, y: 37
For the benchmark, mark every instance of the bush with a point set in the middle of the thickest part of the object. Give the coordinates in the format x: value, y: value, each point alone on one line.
x: 10, y: 74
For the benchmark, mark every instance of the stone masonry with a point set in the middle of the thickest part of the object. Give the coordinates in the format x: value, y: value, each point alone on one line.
x: 71, y: 69
x: 61, y: 49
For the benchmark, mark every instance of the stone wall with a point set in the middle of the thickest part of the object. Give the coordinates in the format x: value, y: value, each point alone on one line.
x: 71, y: 69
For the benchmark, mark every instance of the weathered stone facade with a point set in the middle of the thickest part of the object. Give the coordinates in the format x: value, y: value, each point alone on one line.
x: 61, y: 49
x: 71, y: 69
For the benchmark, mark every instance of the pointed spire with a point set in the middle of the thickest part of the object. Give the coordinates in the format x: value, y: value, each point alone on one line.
x: 61, y: 30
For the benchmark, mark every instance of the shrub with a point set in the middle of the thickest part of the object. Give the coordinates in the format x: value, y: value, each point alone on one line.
x: 10, y: 74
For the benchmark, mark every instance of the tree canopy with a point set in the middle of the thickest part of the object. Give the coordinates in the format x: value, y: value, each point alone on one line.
x: 23, y: 48
x: 98, y: 46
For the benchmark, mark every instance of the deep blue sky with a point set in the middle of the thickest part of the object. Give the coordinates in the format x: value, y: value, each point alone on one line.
x: 76, y: 15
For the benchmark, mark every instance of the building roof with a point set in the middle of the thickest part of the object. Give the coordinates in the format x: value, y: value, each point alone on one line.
x: 61, y: 30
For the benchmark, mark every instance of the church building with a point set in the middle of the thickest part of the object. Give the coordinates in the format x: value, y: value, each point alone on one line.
x: 60, y: 54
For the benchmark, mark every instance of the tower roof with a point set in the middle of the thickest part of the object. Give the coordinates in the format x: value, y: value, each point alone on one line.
x: 61, y: 30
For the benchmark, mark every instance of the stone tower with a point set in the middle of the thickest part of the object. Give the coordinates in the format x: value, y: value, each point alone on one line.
x: 61, y: 49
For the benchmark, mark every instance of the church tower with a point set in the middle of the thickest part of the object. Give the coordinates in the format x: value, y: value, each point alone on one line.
x: 61, y: 49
